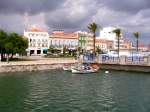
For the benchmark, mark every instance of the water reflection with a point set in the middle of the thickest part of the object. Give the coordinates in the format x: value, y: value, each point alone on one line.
x: 60, y: 91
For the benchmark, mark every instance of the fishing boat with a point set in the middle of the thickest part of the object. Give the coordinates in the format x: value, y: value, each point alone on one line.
x: 67, y: 67
x: 85, y: 69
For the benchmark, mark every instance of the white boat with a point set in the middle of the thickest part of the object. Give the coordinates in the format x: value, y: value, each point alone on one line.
x: 84, y: 69
x: 67, y: 68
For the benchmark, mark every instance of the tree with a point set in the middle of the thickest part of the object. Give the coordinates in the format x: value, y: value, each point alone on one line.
x: 137, y: 36
x: 117, y: 31
x: 3, y: 36
x: 64, y: 50
x: 19, y: 43
x: 99, y: 50
x: 12, y: 43
x: 93, y: 28
x: 9, y: 49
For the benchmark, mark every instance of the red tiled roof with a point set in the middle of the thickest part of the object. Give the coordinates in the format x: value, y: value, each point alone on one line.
x: 141, y: 45
x: 68, y: 35
x: 102, y: 41
x: 36, y: 30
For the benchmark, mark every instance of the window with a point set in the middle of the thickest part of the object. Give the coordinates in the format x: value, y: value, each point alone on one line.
x: 39, y: 44
x: 46, y: 45
x: 51, y: 42
x: 34, y: 45
x: 55, y: 42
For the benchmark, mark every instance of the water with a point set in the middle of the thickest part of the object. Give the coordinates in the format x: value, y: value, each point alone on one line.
x: 60, y: 91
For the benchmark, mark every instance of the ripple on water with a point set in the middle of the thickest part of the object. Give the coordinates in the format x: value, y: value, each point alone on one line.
x: 58, y: 91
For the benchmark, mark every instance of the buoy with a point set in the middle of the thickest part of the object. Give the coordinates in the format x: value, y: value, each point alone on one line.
x: 106, y: 71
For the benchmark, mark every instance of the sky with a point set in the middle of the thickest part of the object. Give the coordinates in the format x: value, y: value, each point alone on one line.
x: 72, y: 15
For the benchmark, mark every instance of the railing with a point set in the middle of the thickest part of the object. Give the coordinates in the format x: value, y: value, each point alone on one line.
x: 136, y: 60
x: 124, y: 60
x: 110, y: 59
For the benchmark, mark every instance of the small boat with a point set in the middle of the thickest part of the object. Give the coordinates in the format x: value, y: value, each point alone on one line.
x: 67, y: 67
x: 85, y: 69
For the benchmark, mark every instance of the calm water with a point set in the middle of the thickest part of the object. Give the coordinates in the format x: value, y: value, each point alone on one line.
x: 60, y: 91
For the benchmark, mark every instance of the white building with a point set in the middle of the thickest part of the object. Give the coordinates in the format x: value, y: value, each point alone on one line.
x: 38, y: 41
x: 59, y: 39
x: 85, y: 40
x: 105, y: 45
x: 108, y: 34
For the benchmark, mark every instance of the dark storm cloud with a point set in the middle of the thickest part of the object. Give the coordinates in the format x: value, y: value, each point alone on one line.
x: 132, y: 15
x: 29, y: 6
x: 128, y: 6
x: 73, y: 15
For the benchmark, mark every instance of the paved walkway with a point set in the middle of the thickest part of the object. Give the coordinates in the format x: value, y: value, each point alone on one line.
x: 40, y: 60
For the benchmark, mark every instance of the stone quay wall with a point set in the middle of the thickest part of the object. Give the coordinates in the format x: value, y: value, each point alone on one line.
x: 135, y: 68
x: 29, y: 67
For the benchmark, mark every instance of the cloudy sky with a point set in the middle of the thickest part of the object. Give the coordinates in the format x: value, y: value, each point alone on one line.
x: 72, y: 15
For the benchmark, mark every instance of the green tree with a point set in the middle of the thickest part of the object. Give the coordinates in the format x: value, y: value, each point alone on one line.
x: 51, y: 49
x: 8, y: 49
x: 22, y: 45
x: 93, y: 28
x: 19, y: 43
x: 3, y: 36
x: 99, y: 50
x: 12, y: 43
x: 117, y: 31
x: 64, y: 50
x: 137, y: 36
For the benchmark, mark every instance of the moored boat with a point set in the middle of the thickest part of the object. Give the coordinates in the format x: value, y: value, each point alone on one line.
x: 67, y: 67
x: 85, y: 69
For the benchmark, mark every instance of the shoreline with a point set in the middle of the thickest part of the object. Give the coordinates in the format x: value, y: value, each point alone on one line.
x: 49, y: 66
x: 37, y: 65
x: 57, y: 63
x: 130, y: 68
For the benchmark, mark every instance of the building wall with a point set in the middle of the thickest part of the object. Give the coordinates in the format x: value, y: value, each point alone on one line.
x: 38, y: 42
x: 60, y: 42
x: 83, y: 40
x: 105, y: 45
x: 108, y: 34
x: 59, y: 39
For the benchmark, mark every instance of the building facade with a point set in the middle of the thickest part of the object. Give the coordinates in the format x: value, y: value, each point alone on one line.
x: 60, y: 39
x: 108, y: 34
x: 38, y: 41
x: 85, y: 40
x: 104, y: 45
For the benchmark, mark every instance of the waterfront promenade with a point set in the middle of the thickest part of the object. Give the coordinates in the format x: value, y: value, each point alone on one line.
x: 35, y: 64
x: 39, y: 60
x: 41, y: 63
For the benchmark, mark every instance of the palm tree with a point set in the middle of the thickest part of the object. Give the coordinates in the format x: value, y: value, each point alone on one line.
x: 93, y: 27
x: 137, y: 35
x: 117, y: 31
